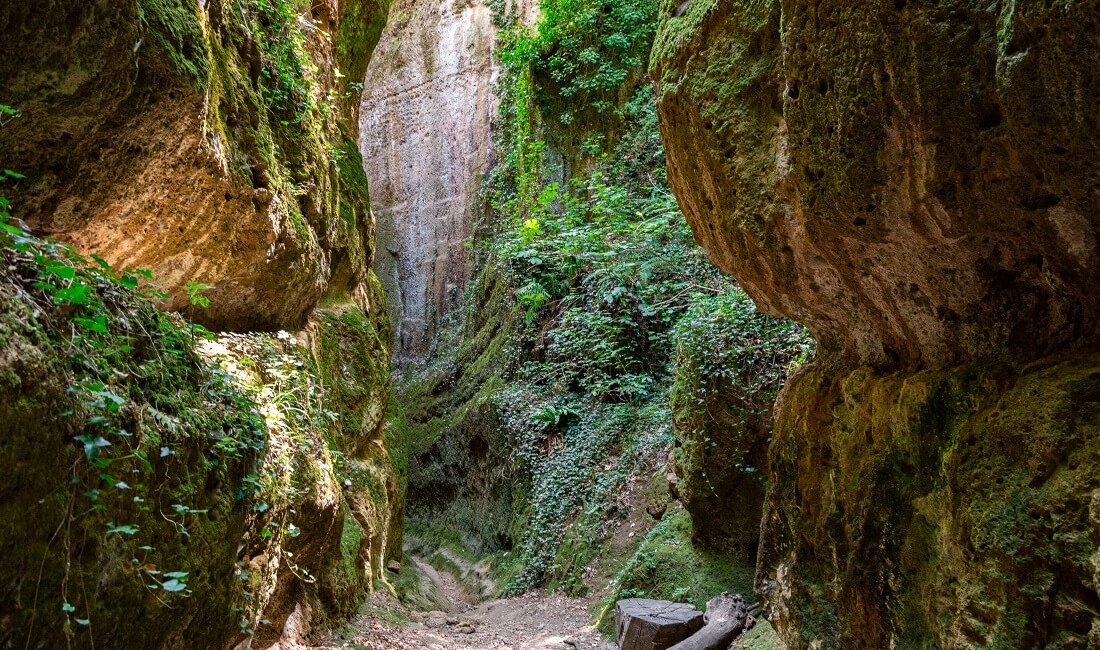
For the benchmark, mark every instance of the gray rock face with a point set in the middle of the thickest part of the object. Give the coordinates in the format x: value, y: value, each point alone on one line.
x: 643, y: 624
x: 425, y: 138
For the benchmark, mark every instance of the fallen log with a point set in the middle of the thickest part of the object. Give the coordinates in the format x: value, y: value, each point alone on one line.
x: 727, y: 616
x: 644, y: 624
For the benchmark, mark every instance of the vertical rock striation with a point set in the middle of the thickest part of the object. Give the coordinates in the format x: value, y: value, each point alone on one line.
x: 917, y: 183
x: 426, y: 141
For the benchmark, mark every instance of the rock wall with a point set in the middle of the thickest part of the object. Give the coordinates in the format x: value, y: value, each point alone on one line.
x: 460, y: 452
x: 190, y: 489
x: 917, y: 183
x: 202, y: 140
x: 186, y: 490
x: 426, y: 141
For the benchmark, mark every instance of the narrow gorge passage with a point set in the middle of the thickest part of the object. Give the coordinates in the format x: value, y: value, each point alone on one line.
x: 529, y: 622
x: 550, y: 325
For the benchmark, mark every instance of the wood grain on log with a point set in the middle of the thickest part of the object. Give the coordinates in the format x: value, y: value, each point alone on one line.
x: 727, y: 616
x: 643, y: 624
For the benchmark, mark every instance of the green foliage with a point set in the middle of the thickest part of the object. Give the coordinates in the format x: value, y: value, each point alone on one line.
x: 585, y: 51
x: 724, y: 336
x: 605, y: 268
x: 604, y: 273
x: 287, y: 69
x: 610, y: 294
x: 724, y: 345
x: 578, y: 453
x: 195, y: 295
x: 124, y: 361
x: 8, y: 113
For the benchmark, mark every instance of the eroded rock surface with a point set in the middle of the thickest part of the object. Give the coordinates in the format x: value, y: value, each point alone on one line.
x: 207, y: 491
x: 917, y: 183
x: 175, y: 490
x: 426, y: 141
x: 202, y: 140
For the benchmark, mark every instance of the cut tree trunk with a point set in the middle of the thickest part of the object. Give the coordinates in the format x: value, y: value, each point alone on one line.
x: 727, y: 616
x: 643, y: 624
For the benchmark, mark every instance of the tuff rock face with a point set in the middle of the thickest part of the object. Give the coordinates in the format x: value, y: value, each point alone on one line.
x: 154, y: 135
x: 211, y: 141
x: 425, y: 134
x: 917, y: 183
x: 226, y: 470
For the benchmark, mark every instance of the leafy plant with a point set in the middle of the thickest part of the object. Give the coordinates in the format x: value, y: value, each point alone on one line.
x: 195, y: 295
x: 287, y: 69
x: 8, y: 113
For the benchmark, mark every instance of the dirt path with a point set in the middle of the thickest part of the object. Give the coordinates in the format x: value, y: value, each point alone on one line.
x: 524, y: 623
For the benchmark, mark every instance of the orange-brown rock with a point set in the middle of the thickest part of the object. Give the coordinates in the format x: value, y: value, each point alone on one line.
x: 202, y: 140
x: 916, y: 182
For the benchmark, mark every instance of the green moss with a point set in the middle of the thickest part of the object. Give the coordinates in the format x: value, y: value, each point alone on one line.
x: 353, y: 180
x: 350, y: 540
x: 174, y: 27
x: 153, y: 447
x: 1006, y: 27
x: 352, y: 358
x: 361, y: 25
x: 760, y: 637
x: 981, y: 494
x: 669, y: 566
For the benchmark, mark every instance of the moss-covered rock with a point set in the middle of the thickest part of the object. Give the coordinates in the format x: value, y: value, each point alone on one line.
x: 352, y: 351
x: 208, y: 141
x: 188, y: 490
x: 731, y: 362
x: 960, y: 509
x: 460, y: 452
x: 129, y: 462
x: 911, y: 181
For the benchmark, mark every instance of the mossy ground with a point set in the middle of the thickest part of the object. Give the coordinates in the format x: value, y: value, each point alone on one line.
x: 761, y: 637
x: 669, y: 565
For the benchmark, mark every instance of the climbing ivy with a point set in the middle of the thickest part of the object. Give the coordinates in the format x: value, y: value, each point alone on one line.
x: 585, y: 52
x: 617, y: 304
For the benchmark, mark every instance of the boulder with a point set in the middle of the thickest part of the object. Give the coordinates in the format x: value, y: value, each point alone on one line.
x: 644, y: 624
